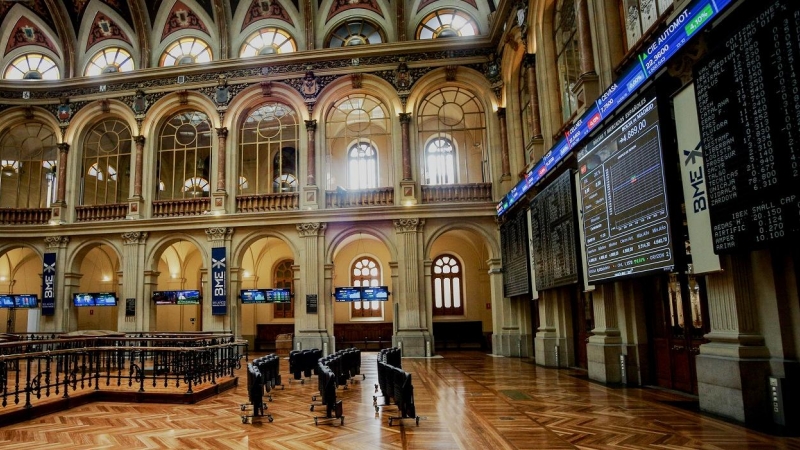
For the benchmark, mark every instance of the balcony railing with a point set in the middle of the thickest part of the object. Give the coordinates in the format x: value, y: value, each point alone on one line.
x: 33, y: 371
x: 268, y: 202
x: 179, y: 208
x: 447, y: 193
x: 343, y: 198
x: 14, y: 216
x: 93, y: 213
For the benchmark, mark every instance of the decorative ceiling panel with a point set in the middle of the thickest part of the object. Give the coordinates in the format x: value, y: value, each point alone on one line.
x: 259, y: 9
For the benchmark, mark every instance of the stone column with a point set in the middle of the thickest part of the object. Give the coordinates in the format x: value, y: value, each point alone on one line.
x: 136, y: 202
x: 310, y: 329
x: 408, y: 187
x: 133, y: 263
x: 58, y: 208
x: 411, y: 335
x: 60, y: 320
x: 219, y: 237
x: 325, y: 297
x: 546, y: 336
x: 732, y: 368
x: 219, y: 196
x: 503, y: 321
x: 587, y: 89
x: 533, y: 90
x: 605, y: 345
x: 150, y: 309
x: 501, y: 116
x: 310, y: 190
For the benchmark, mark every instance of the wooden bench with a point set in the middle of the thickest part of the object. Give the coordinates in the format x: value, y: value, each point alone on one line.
x: 467, y: 333
x: 363, y: 336
x: 267, y: 333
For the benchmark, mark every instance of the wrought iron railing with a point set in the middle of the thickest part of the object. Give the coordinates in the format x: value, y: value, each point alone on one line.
x: 32, y: 370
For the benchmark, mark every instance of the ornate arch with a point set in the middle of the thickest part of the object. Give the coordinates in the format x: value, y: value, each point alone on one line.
x: 336, y: 241
x: 491, y: 241
x: 76, y: 255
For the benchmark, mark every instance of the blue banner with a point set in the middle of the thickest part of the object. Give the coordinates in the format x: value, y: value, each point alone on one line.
x: 49, y: 284
x: 219, y: 282
x: 683, y: 27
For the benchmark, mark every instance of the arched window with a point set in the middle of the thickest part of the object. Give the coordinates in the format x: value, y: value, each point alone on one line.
x: 32, y: 66
x: 362, y: 161
x: 106, y: 164
x: 365, y: 272
x: 355, y: 32
x: 640, y: 16
x: 188, y: 50
x: 268, y: 155
x: 568, y: 56
x: 447, y: 286
x: 440, y: 161
x: 268, y: 41
x: 283, y: 278
x: 110, y: 60
x: 184, y: 157
x: 358, y: 138
x: 28, y: 155
x: 452, y: 116
x: 446, y: 22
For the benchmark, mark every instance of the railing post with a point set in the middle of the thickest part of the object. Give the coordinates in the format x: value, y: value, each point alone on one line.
x: 28, y: 386
x: 141, y: 370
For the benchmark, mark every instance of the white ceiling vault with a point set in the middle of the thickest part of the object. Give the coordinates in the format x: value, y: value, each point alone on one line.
x: 71, y: 31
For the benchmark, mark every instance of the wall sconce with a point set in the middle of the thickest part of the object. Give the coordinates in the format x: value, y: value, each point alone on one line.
x: 106, y: 278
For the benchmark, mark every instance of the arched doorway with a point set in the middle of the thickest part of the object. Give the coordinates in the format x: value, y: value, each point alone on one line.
x: 99, y: 268
x: 20, y: 270
x: 178, y: 294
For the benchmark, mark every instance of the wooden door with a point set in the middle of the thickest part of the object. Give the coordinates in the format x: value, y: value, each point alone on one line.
x: 677, y: 324
x: 582, y: 323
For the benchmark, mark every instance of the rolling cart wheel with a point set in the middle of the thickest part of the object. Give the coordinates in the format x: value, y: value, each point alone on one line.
x: 390, y: 422
x: 312, y: 408
x: 376, y: 409
x: 315, y: 421
x: 244, y: 419
x: 269, y: 398
x: 363, y: 376
x: 342, y: 421
x: 271, y: 419
x: 417, y: 421
x: 244, y: 407
x: 302, y: 381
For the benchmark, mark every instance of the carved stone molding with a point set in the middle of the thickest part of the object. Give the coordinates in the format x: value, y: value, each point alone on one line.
x: 310, y: 229
x: 408, y: 225
x: 134, y: 237
x: 218, y: 234
x: 56, y: 241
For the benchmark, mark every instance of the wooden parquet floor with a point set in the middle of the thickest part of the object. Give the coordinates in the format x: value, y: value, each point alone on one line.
x: 467, y: 400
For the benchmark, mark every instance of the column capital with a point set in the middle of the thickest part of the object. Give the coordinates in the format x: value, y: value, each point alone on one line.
x: 139, y: 140
x: 310, y: 229
x: 405, y: 118
x: 408, y: 225
x: 56, y: 241
x: 501, y: 113
x: 134, y: 237
x: 311, y: 125
x: 222, y: 132
x: 218, y: 234
x: 63, y: 147
x: 529, y: 60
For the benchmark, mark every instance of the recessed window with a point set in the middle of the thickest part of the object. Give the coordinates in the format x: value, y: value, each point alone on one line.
x: 283, y: 278
x: 107, y: 149
x: 447, y: 286
x: 110, y: 60
x: 184, y: 157
x: 268, y: 156
x: 28, y: 172
x: 355, y: 32
x: 33, y: 66
x: 440, y: 161
x: 268, y: 41
x: 365, y: 272
x: 446, y: 23
x: 363, y: 166
x: 188, y: 50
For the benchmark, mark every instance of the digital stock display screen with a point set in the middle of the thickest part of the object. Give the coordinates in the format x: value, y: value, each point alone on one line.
x: 622, y: 185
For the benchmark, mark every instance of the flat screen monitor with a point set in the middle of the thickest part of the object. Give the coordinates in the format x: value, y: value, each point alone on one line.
x: 279, y: 295
x: 6, y: 301
x: 347, y: 294
x: 253, y: 296
x: 188, y: 297
x: 83, y: 299
x: 105, y: 299
x: 375, y: 293
x: 26, y: 301
x: 164, y: 297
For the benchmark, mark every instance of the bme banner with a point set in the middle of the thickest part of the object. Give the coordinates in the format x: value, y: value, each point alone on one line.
x: 49, y: 284
x: 219, y: 297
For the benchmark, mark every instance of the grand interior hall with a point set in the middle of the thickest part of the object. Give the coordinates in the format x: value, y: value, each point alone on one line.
x: 577, y: 220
